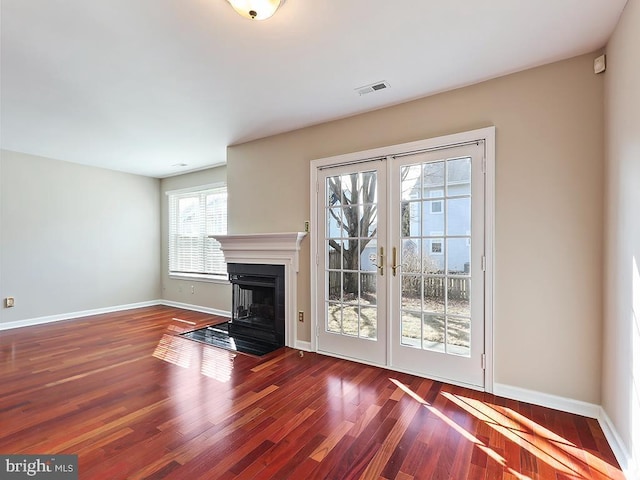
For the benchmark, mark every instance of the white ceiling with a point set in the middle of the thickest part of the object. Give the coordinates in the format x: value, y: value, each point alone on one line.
x: 143, y: 85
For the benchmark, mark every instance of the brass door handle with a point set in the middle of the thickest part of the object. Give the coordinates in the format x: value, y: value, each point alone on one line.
x: 394, y: 259
x: 381, y: 266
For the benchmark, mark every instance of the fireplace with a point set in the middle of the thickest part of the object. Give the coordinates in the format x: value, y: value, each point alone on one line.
x: 271, y: 249
x: 258, y: 302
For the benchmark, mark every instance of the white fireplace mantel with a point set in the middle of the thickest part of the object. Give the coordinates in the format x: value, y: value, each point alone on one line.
x: 261, y: 247
x: 270, y: 249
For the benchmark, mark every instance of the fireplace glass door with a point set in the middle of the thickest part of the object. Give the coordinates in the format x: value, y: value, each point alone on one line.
x: 255, y: 301
x: 258, y: 302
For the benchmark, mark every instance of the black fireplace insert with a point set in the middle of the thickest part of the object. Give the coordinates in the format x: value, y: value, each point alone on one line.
x: 258, y: 302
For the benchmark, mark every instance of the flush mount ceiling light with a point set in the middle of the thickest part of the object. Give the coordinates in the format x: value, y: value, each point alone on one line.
x: 256, y: 9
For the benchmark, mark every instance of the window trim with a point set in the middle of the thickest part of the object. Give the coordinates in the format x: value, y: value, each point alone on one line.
x: 201, y: 277
x: 199, y: 188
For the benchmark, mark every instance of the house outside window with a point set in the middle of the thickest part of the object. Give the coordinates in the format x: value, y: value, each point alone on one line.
x: 194, y: 215
x: 436, y: 205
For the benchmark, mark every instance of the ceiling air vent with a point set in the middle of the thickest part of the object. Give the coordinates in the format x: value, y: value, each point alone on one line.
x: 374, y: 87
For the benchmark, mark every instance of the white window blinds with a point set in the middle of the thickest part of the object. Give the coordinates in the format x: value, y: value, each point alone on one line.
x: 193, y: 216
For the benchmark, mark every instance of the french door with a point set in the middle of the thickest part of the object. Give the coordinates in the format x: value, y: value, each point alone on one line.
x: 354, y: 233
x: 436, y: 217
x: 400, y: 262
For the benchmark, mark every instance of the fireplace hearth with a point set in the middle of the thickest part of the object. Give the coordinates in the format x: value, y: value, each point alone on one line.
x: 218, y: 336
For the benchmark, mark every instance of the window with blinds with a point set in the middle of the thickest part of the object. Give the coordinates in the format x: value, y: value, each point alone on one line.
x: 193, y: 216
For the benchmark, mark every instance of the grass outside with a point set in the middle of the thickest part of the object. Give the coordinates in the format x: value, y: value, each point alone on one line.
x: 432, y: 329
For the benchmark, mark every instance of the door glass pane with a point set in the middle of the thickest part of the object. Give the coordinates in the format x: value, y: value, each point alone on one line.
x: 369, y: 223
x: 334, y: 259
x: 410, y: 329
x: 459, y: 177
x: 410, y: 178
x: 411, y: 292
x: 368, y: 289
x: 334, y: 318
x: 350, y: 320
x: 352, y: 220
x: 351, y: 254
x: 459, y: 216
x: 410, y: 219
x: 368, y: 322
x: 433, y: 333
x: 351, y: 249
x: 369, y: 255
x: 434, y: 294
x: 410, y: 256
x: 433, y: 218
x: 335, y: 223
x: 334, y: 286
x: 350, y: 287
x: 433, y: 174
x: 458, y: 296
x: 349, y: 189
x: 334, y: 192
x: 458, y: 335
x: 433, y: 255
x: 458, y: 256
x: 368, y: 187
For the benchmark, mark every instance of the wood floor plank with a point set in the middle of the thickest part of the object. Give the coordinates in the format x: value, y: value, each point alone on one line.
x: 334, y: 436
x: 134, y: 400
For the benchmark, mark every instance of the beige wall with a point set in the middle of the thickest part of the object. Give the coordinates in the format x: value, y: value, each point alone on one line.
x: 549, y: 219
x: 621, y: 359
x: 549, y: 214
x: 203, y: 294
x: 75, y: 238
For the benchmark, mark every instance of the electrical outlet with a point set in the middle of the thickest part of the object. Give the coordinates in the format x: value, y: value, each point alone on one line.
x: 301, y: 316
x: 193, y: 289
x: 9, y: 302
x: 306, y: 227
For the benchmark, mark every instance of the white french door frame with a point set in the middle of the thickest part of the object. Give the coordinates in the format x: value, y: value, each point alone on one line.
x: 487, y: 135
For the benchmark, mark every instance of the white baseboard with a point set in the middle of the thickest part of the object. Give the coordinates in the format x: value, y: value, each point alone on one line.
x: 565, y: 404
x: 302, y: 345
x: 70, y: 316
x: 195, y: 308
x: 630, y: 467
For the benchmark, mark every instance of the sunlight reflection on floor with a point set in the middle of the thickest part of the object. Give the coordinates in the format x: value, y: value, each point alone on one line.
x: 481, y: 445
x: 214, y: 363
x: 173, y: 350
x: 217, y: 364
x: 546, y: 445
x: 549, y: 447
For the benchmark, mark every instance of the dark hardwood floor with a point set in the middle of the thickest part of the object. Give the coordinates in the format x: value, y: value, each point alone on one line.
x: 134, y: 400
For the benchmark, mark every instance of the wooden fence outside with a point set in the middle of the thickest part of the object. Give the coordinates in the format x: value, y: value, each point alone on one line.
x: 457, y: 288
